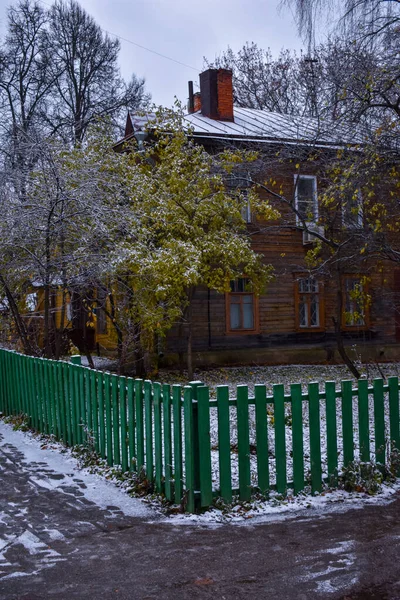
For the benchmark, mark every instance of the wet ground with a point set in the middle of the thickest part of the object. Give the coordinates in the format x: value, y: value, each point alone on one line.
x: 61, y: 537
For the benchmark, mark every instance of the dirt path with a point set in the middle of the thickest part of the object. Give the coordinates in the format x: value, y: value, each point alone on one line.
x: 69, y: 536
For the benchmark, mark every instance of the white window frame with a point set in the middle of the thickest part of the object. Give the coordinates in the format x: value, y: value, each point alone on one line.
x: 315, y: 197
x: 309, y: 293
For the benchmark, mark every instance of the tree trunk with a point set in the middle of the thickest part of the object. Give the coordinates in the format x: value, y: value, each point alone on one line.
x: 181, y: 362
x: 46, y: 330
x: 19, y: 322
x: 189, y: 316
x: 59, y: 331
x: 189, y: 352
x: 339, y: 336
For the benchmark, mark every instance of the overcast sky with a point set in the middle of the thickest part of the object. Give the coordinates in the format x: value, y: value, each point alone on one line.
x: 185, y: 30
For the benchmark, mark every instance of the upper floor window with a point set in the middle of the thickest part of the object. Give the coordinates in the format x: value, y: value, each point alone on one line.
x: 352, y: 210
x: 241, y: 307
x: 245, y: 207
x: 306, y: 200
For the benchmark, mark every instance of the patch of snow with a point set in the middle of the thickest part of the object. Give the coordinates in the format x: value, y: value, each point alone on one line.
x: 97, y: 490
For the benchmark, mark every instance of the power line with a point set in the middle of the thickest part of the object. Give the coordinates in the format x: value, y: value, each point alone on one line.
x: 150, y: 50
x: 140, y: 46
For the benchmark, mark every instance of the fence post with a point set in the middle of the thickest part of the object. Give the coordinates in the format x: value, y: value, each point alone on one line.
x: 196, y: 444
x: 76, y: 359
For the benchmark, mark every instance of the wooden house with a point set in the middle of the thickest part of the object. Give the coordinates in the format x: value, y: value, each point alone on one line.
x: 301, y: 314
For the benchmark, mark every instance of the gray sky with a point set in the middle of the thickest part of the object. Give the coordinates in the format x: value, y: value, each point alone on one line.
x: 185, y: 30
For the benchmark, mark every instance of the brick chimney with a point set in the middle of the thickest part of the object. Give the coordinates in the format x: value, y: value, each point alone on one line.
x: 216, y: 94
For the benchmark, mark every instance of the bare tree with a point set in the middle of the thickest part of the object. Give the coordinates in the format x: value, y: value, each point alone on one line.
x: 87, y: 79
x: 367, y: 20
x: 25, y: 84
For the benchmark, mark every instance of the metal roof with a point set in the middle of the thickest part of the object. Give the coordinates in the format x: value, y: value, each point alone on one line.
x: 261, y: 126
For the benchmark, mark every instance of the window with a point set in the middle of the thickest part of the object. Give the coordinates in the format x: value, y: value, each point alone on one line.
x: 245, y: 209
x: 306, y: 197
x: 354, y: 302
x: 239, y: 185
x: 68, y: 310
x: 31, y: 301
x: 308, y: 303
x: 352, y: 210
x: 241, y: 307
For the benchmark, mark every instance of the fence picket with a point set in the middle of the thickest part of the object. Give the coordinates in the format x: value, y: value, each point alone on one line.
x: 394, y: 418
x: 203, y: 400
x: 167, y: 441
x: 243, y: 442
x: 148, y: 429
x: 189, y: 447
x: 224, y: 444
x: 347, y: 422
x: 331, y: 431
x: 67, y: 396
x: 56, y: 400
x: 88, y: 402
x: 108, y: 418
x: 124, y: 437
x: 94, y: 410
x: 297, y: 437
x: 78, y: 405
x: 379, y: 421
x: 280, y: 437
x: 32, y: 389
x: 139, y: 424
x: 260, y: 392
x: 47, y: 395
x: 131, y: 424
x: 315, y: 438
x: 363, y: 420
x: 100, y: 380
x: 115, y: 418
x: 177, y: 437
x: 61, y: 398
x: 157, y: 437
x: 82, y: 404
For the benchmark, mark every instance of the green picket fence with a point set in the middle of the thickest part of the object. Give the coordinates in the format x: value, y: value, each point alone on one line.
x: 193, y: 448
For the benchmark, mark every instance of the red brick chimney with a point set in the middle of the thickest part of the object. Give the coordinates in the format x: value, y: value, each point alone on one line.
x: 225, y: 94
x: 216, y: 94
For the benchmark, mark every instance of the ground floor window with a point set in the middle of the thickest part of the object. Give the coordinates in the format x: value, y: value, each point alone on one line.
x: 241, y: 307
x: 354, y: 301
x: 309, y: 304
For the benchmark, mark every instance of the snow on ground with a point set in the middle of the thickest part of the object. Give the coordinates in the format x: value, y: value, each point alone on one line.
x: 58, y: 459
x: 278, y: 508
x: 286, y: 374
